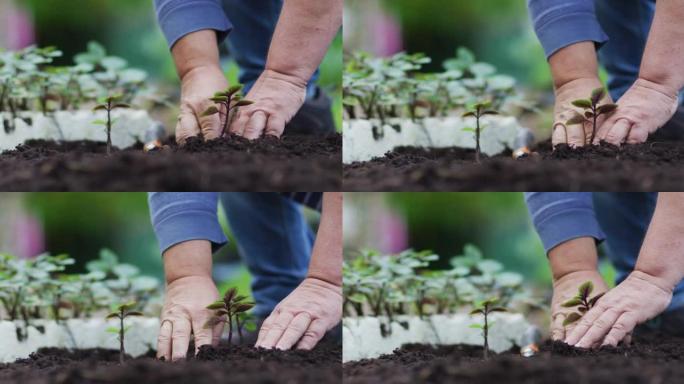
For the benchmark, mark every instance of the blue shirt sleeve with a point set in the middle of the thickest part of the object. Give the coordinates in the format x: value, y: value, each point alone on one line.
x: 562, y: 216
x: 178, y: 217
x: 559, y: 23
x: 177, y: 18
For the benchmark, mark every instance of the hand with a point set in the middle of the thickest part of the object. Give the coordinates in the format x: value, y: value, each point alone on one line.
x: 564, y: 289
x: 185, y: 313
x: 303, y: 317
x: 644, y: 108
x: 277, y: 98
x: 197, y: 86
x: 639, y: 298
x: 575, y: 135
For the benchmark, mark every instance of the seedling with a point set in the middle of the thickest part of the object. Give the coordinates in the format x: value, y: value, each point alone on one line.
x: 582, y: 302
x: 109, y: 104
x: 232, y: 308
x: 477, y: 111
x: 485, y: 308
x: 227, y: 102
x: 592, y: 110
x: 122, y: 312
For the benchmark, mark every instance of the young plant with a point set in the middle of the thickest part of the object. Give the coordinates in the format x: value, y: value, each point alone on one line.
x: 477, y: 111
x: 227, y: 102
x: 592, y: 110
x: 122, y: 312
x: 232, y: 308
x: 485, y: 308
x: 582, y: 302
x: 109, y: 104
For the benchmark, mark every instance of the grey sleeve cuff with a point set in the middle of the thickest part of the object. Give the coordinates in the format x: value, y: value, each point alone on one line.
x: 178, y: 18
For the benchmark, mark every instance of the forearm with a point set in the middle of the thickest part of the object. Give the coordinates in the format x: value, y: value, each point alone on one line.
x: 189, y: 258
x: 301, y: 38
x: 574, y: 62
x: 663, y: 61
x: 662, y: 252
x: 573, y: 256
x: 195, y: 51
x: 326, y: 257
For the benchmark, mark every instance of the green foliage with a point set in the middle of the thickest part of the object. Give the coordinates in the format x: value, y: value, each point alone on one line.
x: 232, y: 308
x: 591, y: 110
x: 478, y: 110
x: 121, y: 312
x: 582, y: 301
x: 485, y: 308
x: 108, y: 104
x: 227, y: 103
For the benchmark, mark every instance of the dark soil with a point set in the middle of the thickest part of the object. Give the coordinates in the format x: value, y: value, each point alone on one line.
x: 293, y: 163
x: 648, y: 360
x: 643, y: 167
x: 212, y: 366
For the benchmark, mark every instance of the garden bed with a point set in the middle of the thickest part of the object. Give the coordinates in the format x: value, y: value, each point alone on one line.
x: 236, y: 164
x: 235, y: 364
x: 654, y: 359
x: 643, y: 167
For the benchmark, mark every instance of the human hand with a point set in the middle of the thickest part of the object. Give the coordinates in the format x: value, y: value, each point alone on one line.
x: 277, y: 98
x: 639, y: 298
x: 303, y: 317
x: 185, y: 313
x: 645, y: 107
x: 197, y: 86
x: 564, y: 289
x: 575, y: 135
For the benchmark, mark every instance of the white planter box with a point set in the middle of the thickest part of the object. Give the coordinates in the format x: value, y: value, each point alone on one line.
x: 499, y: 133
x: 362, y: 338
x: 77, y: 333
x: 130, y: 127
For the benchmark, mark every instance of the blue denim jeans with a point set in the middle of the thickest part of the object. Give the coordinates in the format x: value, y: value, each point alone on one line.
x: 627, y: 24
x: 274, y: 240
x: 254, y: 22
x: 624, y: 218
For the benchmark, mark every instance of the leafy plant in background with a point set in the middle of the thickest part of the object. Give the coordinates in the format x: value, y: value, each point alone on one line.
x: 109, y: 104
x: 227, y: 103
x: 232, y: 308
x: 486, y: 308
x: 582, y: 301
x: 121, y: 313
x: 592, y: 110
x: 478, y: 110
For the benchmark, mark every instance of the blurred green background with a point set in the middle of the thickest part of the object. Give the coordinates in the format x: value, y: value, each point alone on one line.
x: 127, y: 28
x: 497, y: 222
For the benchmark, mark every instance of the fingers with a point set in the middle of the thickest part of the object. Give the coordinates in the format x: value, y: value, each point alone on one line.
x: 574, y: 336
x: 263, y: 331
x: 275, y: 126
x: 616, y: 131
x: 255, y: 126
x: 637, y: 135
x: 295, y: 330
x: 559, y: 135
x: 216, y: 333
x: 203, y: 335
x: 621, y: 330
x: 164, y: 340
x: 212, y: 125
x: 576, y: 135
x: 187, y: 125
x: 181, y: 338
x: 312, y: 335
x: 557, y: 328
x: 275, y: 329
x: 599, y: 329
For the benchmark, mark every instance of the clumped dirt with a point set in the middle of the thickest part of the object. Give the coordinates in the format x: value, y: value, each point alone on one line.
x: 235, y: 364
x: 654, y: 359
x: 293, y: 163
x: 641, y: 167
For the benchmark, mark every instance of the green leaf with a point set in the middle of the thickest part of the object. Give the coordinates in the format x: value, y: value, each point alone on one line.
x: 585, y: 289
x: 230, y: 294
x: 134, y: 313
x: 575, y: 301
x: 490, y: 112
x: 468, y: 129
x: 593, y: 301
x: 233, y: 89
x: 100, y: 107
x: 122, y: 105
x: 468, y: 114
x: 606, y: 108
x: 577, y: 119
x: 582, y: 103
x: 589, y: 114
x: 243, y: 307
x: 216, y: 305
x: 127, y: 306
x: 112, y: 329
x: 99, y: 122
x: 597, y: 94
x: 476, y: 326
x: 571, y: 318
x: 219, y: 99
x: 498, y: 309
x: 477, y: 312
x: 210, y: 111
x: 112, y: 315
x: 243, y: 103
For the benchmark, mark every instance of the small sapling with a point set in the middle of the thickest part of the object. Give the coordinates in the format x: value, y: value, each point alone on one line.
x: 109, y: 104
x: 122, y: 312
x: 231, y: 308
x: 477, y: 111
x: 485, y: 308
x: 226, y: 104
x: 582, y: 301
x: 592, y: 110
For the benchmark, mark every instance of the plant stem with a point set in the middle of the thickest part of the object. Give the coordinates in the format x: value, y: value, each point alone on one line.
x: 485, y: 331
x: 230, y: 329
x: 225, y: 123
x: 109, y: 127
x: 477, y: 136
x: 121, y: 338
x: 593, y: 127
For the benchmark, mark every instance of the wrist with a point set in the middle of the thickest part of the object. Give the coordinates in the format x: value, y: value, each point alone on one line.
x: 653, y: 279
x: 572, y: 256
x: 294, y: 79
x: 329, y: 277
x: 324, y: 284
x: 187, y: 259
x: 661, y: 86
x: 576, y: 62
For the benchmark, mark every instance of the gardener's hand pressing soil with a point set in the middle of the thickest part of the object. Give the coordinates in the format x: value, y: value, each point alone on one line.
x: 189, y: 289
x: 644, y: 108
